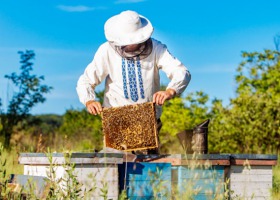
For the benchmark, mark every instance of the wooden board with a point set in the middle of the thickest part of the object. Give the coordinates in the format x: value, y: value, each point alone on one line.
x: 187, y: 159
x: 77, y: 158
x: 90, y: 176
x: 146, y: 180
x: 131, y: 127
x: 254, y: 162
x: 253, y: 182
x: 199, y: 183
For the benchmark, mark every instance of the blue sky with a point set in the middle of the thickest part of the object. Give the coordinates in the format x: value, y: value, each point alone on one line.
x: 207, y: 36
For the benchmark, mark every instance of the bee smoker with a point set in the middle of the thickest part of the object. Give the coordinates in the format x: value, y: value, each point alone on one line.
x: 195, y: 140
x: 200, y: 138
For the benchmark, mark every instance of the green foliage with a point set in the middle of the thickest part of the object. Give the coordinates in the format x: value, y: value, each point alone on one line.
x: 252, y: 122
x: 55, y: 189
x: 41, y: 124
x: 1, y: 126
x: 79, y: 123
x: 36, y: 132
x: 69, y: 186
x: 104, y: 190
x: 3, y: 174
x: 6, y: 191
x: 276, y: 180
x: 277, y: 41
x: 182, y: 114
x: 123, y: 195
x: 160, y: 189
x: 30, y: 92
x: 47, y: 122
x: 219, y: 137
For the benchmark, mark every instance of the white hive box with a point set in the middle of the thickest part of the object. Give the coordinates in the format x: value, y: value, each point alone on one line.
x: 92, y: 170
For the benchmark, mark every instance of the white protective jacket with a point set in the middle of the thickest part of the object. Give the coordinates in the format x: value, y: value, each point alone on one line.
x: 127, y: 82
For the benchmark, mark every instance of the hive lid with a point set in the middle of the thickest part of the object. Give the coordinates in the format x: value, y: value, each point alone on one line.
x: 62, y: 158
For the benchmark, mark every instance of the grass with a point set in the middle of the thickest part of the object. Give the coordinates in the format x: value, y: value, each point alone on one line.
x: 276, y: 181
x: 12, y: 165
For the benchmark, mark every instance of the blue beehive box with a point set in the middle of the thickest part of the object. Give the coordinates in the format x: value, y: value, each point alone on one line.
x: 198, y: 183
x: 202, y: 177
x: 145, y: 180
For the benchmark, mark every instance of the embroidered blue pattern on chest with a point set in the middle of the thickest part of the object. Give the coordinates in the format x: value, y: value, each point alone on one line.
x: 132, y: 80
x: 124, y: 79
x: 140, y: 80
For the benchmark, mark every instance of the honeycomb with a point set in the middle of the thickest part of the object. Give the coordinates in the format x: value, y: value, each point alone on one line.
x: 131, y: 127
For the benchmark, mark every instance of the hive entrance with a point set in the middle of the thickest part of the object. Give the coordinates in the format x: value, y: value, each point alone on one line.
x: 131, y: 127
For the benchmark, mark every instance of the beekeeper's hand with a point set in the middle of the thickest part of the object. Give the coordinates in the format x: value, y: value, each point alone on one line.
x: 94, y: 107
x: 160, y: 97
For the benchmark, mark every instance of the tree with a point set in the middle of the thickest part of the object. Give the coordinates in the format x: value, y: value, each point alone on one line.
x: 30, y: 92
x: 277, y: 42
x: 251, y: 123
x: 1, y: 126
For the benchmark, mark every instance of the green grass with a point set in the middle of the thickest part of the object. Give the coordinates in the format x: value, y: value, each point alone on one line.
x: 12, y: 166
x: 276, y: 181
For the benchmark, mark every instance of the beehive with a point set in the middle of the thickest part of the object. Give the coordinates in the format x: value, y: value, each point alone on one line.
x: 131, y: 127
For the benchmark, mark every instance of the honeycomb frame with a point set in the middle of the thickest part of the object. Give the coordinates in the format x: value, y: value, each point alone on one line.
x: 130, y: 127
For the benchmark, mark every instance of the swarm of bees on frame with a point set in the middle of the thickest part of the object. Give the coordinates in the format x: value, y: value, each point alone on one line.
x: 131, y: 127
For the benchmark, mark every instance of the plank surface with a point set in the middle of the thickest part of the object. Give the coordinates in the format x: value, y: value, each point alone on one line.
x: 146, y: 180
x: 254, y: 156
x: 251, y: 178
x: 205, y: 181
x: 90, y: 176
x: 249, y: 189
x: 254, y: 162
x: 202, y: 171
x: 77, y: 158
x: 251, y: 169
x: 251, y: 181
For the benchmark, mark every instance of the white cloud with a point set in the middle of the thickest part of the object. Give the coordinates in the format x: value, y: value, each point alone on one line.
x: 128, y: 1
x: 79, y: 8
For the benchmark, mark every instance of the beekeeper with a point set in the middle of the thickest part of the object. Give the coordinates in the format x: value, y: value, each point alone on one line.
x: 129, y: 62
